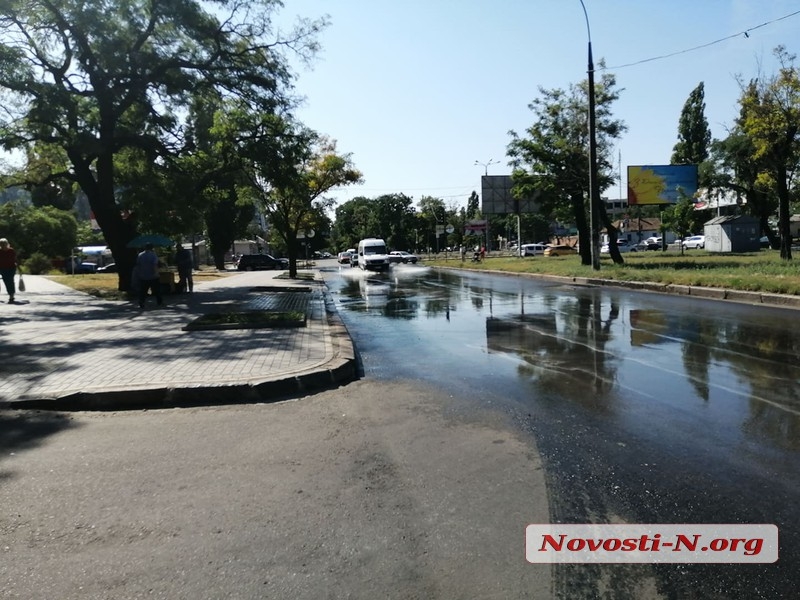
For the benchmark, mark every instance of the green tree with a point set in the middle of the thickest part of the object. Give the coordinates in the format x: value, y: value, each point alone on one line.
x: 737, y: 170
x: 473, y: 206
x: 354, y: 220
x: 294, y: 194
x: 94, y: 78
x: 432, y: 212
x: 46, y: 230
x: 679, y: 217
x: 694, y: 136
x: 551, y: 161
x: 395, y: 218
x: 770, y: 118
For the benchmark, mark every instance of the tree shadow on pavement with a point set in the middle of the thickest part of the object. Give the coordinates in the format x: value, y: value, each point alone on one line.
x: 24, y: 430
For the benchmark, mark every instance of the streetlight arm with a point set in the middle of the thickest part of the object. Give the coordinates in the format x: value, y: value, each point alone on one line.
x: 486, y: 165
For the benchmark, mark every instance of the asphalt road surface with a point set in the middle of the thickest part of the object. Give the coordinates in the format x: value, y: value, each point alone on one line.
x: 373, y: 490
x: 646, y: 408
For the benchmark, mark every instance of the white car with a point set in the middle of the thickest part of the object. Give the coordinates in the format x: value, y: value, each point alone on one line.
x: 695, y: 241
x: 400, y: 256
x: 623, y: 245
x: 532, y: 249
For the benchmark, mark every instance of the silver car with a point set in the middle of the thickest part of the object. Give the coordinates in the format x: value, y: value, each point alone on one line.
x: 695, y: 241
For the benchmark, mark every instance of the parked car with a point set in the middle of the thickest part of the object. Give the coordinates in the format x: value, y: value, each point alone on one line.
x: 695, y: 241
x: 623, y: 245
x: 532, y: 249
x: 260, y: 262
x: 401, y: 256
x: 651, y: 243
x: 343, y: 258
x: 559, y: 250
x: 80, y: 268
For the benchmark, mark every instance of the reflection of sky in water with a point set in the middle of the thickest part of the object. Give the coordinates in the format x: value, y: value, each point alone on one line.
x: 713, y: 368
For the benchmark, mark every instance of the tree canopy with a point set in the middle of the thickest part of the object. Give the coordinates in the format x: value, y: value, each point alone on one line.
x: 770, y: 118
x: 551, y: 159
x: 91, y: 81
x: 694, y: 136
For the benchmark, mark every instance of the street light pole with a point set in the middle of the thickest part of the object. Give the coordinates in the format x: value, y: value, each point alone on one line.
x: 486, y: 165
x: 486, y: 174
x: 594, y: 184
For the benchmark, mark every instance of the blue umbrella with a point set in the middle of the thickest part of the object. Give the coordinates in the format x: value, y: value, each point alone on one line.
x: 140, y: 241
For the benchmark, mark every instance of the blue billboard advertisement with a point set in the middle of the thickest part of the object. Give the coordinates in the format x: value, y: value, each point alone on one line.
x: 660, y: 184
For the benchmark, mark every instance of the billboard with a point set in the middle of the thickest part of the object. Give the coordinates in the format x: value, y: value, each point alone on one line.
x: 659, y: 184
x: 497, y: 199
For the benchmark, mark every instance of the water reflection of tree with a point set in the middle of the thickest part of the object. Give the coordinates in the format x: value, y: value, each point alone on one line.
x: 571, y: 363
x: 697, y: 354
x: 766, y: 360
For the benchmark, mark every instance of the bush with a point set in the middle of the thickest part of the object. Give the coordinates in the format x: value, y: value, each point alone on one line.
x: 37, y: 264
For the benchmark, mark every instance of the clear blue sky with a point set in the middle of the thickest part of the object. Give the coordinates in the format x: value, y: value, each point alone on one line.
x: 418, y: 90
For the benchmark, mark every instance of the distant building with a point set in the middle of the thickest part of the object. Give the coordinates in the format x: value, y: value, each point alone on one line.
x: 614, y: 208
x: 638, y: 230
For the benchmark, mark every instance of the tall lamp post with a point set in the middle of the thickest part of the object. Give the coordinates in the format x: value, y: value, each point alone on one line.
x: 486, y: 174
x: 486, y: 165
x: 594, y: 184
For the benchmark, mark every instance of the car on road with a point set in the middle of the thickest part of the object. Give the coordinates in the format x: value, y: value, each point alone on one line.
x: 695, y: 241
x: 401, y: 256
x: 623, y: 245
x: 343, y: 258
x: 261, y: 262
x: 532, y: 249
x: 559, y: 250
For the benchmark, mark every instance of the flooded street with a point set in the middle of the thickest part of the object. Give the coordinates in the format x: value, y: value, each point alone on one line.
x: 647, y: 408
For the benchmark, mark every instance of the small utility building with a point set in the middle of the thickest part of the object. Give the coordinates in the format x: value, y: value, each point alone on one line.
x: 732, y: 233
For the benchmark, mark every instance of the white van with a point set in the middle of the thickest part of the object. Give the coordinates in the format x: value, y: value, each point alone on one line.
x: 372, y: 255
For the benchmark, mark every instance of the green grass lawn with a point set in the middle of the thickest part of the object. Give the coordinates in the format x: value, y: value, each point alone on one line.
x: 104, y: 285
x: 759, y: 271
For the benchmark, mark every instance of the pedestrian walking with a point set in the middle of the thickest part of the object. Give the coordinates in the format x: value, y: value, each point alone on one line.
x: 185, y: 264
x: 8, y: 267
x: 147, y: 271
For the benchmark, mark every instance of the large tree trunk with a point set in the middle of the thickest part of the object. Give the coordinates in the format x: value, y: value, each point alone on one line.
x: 291, y: 250
x: 613, y: 249
x: 98, y: 186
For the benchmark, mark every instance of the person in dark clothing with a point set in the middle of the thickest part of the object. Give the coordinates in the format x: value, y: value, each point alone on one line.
x: 185, y: 264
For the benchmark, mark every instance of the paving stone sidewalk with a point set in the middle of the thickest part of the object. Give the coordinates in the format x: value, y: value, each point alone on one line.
x: 63, y: 349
